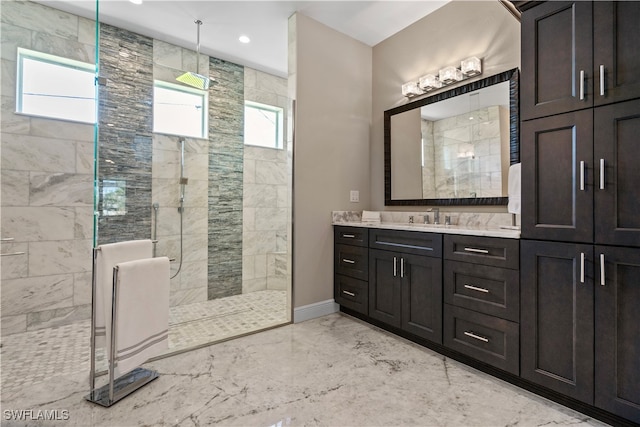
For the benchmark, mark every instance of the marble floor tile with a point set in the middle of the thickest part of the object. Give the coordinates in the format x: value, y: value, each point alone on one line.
x: 331, y: 371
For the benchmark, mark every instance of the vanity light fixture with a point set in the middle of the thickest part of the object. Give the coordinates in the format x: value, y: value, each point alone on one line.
x: 469, y: 67
x: 411, y: 89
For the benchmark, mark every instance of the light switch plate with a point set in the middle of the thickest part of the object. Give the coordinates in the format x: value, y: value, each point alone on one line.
x: 355, y: 196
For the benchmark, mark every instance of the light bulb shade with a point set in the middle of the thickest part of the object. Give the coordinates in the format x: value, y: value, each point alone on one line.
x: 471, y: 66
x: 450, y: 75
x: 411, y: 89
x: 429, y: 82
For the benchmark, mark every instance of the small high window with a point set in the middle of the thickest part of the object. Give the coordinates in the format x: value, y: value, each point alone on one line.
x: 263, y: 125
x: 55, y: 87
x: 179, y: 110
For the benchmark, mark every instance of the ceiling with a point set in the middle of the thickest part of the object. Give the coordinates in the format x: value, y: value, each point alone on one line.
x: 265, y: 22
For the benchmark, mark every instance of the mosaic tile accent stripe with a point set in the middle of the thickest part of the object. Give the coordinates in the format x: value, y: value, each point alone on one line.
x: 126, y: 124
x: 226, y: 152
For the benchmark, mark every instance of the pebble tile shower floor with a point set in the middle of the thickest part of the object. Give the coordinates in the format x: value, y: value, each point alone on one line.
x: 34, y: 356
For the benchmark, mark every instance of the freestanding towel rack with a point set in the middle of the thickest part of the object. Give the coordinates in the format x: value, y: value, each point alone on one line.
x: 117, y: 388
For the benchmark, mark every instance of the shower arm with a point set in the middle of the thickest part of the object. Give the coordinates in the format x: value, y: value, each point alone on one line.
x: 199, y: 23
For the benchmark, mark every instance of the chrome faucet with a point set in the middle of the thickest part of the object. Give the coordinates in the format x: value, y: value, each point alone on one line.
x: 436, y: 215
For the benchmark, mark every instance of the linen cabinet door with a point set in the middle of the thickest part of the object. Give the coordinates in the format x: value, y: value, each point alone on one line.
x: 617, y: 193
x: 557, y: 176
x: 422, y: 296
x: 384, y: 286
x: 556, y: 59
x: 617, y: 346
x: 616, y: 29
x: 556, y: 320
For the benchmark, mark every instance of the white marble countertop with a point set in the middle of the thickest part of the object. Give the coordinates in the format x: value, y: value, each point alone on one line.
x: 507, y: 233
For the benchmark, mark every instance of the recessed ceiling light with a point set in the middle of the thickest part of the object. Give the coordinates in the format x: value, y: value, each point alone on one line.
x: 244, y: 39
x: 136, y: 1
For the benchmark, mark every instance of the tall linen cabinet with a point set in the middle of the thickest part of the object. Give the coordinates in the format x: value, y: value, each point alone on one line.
x: 580, y: 247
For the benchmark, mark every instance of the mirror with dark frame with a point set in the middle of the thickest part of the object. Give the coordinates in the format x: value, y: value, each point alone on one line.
x: 454, y: 147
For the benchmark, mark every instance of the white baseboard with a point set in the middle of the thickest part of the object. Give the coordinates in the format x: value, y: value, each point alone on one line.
x: 311, y: 311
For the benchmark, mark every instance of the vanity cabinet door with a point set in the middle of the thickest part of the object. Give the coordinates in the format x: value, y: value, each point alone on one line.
x: 421, y: 279
x: 617, y: 342
x: 556, y: 59
x: 616, y: 29
x: 617, y: 189
x: 557, y: 177
x: 556, y: 323
x: 384, y: 287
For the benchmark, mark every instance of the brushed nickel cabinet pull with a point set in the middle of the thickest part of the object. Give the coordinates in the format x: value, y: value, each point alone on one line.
x: 601, y: 80
x: 478, y: 337
x: 348, y: 261
x: 582, y: 173
x: 602, y: 174
x: 7, y: 239
x: 395, y: 267
x: 479, y: 251
x: 349, y: 236
x: 474, y: 288
x: 401, y: 267
x: 581, y: 267
x: 581, y: 85
x: 602, y: 281
x: 351, y: 294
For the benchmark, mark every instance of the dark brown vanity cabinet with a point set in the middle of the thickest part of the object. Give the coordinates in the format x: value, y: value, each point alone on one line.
x: 580, y: 111
x: 557, y: 317
x: 482, y: 299
x: 405, y: 281
x: 577, y: 55
x: 617, y: 331
x: 351, y: 268
x: 580, y: 176
x: 580, y: 324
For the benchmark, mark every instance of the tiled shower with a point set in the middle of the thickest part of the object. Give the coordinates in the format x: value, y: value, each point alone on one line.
x: 237, y: 201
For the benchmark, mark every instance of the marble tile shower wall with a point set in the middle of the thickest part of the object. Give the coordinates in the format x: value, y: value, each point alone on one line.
x: 467, y: 154
x: 190, y: 285
x: 266, y: 198
x: 46, y: 184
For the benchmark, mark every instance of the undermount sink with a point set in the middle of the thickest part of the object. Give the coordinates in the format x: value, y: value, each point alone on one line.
x: 429, y: 225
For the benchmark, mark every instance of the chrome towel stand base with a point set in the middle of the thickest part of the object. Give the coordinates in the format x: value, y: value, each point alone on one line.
x: 122, y: 387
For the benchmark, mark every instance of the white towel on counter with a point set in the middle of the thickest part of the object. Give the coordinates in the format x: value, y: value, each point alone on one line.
x: 371, y: 217
x: 142, y: 312
x: 514, y: 188
x: 107, y: 256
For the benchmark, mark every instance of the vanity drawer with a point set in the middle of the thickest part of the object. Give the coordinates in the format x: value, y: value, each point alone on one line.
x: 351, y: 293
x: 412, y: 242
x: 352, y: 261
x: 485, y: 338
x: 483, y: 250
x: 490, y: 290
x: 351, y: 235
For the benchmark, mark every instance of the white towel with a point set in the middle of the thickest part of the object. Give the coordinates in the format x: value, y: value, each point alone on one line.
x: 369, y: 216
x: 514, y: 184
x: 142, y: 312
x: 107, y: 257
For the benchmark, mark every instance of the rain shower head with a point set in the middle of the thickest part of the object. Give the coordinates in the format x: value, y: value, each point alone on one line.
x: 196, y: 79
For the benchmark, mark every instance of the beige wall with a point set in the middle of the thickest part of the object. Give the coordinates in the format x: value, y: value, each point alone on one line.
x: 332, y: 87
x: 455, y: 31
